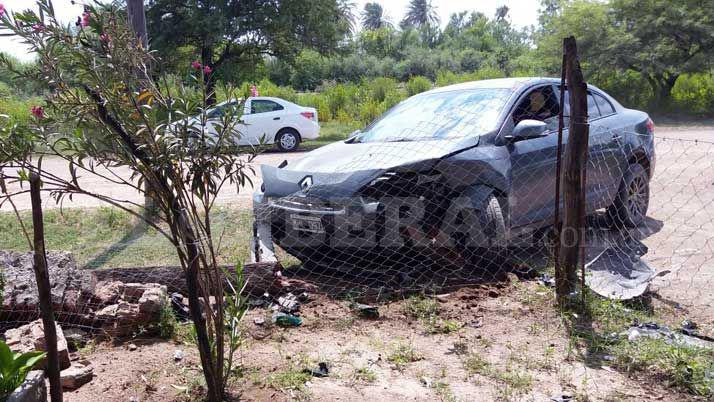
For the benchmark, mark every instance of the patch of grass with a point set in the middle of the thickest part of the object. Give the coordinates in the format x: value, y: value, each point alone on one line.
x: 600, y: 324
x: 435, y: 325
x: 420, y: 307
x: 289, y: 379
x: 474, y: 363
x: 364, y: 374
x: 687, y: 367
x: 426, y: 310
x: 514, y: 381
x: 109, y: 237
x: 167, y: 321
x: 404, y: 354
x: 443, y: 391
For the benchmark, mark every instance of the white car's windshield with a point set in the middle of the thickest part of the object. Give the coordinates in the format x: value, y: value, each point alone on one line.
x: 440, y: 115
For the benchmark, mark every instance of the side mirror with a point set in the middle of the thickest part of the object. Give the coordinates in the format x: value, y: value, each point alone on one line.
x: 527, y: 129
x: 353, y: 134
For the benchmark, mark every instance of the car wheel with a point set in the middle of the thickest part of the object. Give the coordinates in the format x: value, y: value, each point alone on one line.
x: 493, y: 224
x: 633, y: 198
x: 288, y: 140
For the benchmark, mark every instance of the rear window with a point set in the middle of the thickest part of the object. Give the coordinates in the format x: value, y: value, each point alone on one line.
x: 264, y: 106
x: 605, y: 106
x: 593, y: 111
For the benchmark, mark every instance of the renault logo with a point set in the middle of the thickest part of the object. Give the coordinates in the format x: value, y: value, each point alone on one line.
x: 306, y: 183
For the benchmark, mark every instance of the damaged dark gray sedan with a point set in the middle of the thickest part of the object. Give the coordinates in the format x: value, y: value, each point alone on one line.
x: 468, y: 168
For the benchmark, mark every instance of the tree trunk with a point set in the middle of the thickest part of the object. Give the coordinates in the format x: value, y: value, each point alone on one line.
x: 44, y: 291
x: 662, y: 85
x: 572, y: 234
x: 193, y: 284
x: 207, y: 60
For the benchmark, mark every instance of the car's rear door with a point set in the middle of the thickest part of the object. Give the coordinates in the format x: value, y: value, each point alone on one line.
x: 603, y: 167
x: 263, y: 120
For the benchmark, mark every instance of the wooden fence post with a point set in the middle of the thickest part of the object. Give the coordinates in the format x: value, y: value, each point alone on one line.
x: 576, y: 152
x: 43, y: 289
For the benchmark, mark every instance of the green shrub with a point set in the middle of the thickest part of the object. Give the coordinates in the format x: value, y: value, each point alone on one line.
x: 14, y: 368
x: 370, y: 110
x: 417, y: 85
x: 380, y: 88
x: 694, y: 93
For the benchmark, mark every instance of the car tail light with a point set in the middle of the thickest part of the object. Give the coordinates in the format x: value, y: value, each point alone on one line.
x: 650, y: 126
x: 308, y: 115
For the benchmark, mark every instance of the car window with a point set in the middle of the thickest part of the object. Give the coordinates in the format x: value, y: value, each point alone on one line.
x: 540, y: 104
x: 604, y: 105
x: 593, y: 111
x: 264, y: 106
x: 220, y: 110
x: 439, y: 115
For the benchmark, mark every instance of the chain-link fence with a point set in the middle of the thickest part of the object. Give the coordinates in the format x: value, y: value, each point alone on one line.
x: 439, y: 194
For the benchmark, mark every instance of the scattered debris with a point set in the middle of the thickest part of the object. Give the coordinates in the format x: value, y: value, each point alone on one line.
x: 132, y: 347
x: 619, y: 273
x: 180, y: 308
x: 365, y: 311
x: 477, y: 323
x: 77, y: 375
x: 76, y: 338
x: 286, y: 320
x: 32, y: 390
x: 425, y: 381
x: 31, y: 337
x: 321, y: 371
x: 443, y: 298
x: 655, y: 331
x: 179, y: 355
x: 689, y: 327
x: 288, y: 303
x: 259, y: 321
x: 563, y: 398
x: 547, y: 280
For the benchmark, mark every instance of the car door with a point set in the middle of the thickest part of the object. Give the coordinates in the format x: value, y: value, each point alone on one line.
x: 263, y: 120
x: 533, y: 166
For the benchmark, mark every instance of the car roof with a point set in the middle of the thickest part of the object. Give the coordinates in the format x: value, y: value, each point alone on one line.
x: 498, y: 83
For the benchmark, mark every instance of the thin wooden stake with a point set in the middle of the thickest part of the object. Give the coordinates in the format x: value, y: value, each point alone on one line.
x: 44, y: 290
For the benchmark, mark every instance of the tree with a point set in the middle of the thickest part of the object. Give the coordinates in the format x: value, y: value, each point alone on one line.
x: 104, y: 111
x: 225, y: 30
x: 658, y: 40
x: 373, y: 17
x: 502, y: 13
x: 662, y: 40
x: 420, y: 13
x: 345, y: 15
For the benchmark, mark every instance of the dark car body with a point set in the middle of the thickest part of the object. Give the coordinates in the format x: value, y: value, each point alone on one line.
x: 331, y: 199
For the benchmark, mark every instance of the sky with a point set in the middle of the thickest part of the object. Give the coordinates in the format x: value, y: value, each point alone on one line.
x: 522, y: 13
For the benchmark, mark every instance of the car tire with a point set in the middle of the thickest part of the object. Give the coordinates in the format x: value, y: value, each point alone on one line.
x: 287, y: 140
x: 492, y: 222
x: 629, y: 209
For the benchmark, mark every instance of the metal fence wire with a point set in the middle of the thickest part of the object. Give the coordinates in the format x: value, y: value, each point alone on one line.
x: 438, y: 205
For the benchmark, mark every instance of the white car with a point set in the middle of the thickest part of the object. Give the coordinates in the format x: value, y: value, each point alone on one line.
x: 274, y: 120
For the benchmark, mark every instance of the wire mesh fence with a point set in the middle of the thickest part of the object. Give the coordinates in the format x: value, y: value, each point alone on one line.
x: 438, y: 195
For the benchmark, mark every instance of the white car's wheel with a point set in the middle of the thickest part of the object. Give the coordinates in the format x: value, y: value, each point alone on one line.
x: 288, y: 140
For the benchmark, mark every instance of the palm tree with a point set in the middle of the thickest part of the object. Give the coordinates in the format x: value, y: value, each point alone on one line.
x: 420, y: 13
x: 345, y: 15
x: 373, y: 17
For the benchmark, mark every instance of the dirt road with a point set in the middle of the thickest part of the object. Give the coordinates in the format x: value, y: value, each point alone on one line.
x: 229, y: 195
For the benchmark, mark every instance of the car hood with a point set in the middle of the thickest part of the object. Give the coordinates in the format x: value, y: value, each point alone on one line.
x: 340, y: 169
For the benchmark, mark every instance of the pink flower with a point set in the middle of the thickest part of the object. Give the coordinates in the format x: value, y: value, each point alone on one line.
x: 2, y: 10
x: 254, y: 91
x: 196, y: 65
x: 104, y: 38
x: 38, y: 28
x: 85, y: 19
x: 207, y: 70
x: 38, y: 111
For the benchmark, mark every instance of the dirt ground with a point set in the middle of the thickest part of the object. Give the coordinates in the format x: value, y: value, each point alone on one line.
x: 511, y: 346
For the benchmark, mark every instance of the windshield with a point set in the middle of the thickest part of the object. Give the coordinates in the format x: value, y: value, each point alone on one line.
x: 441, y: 115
